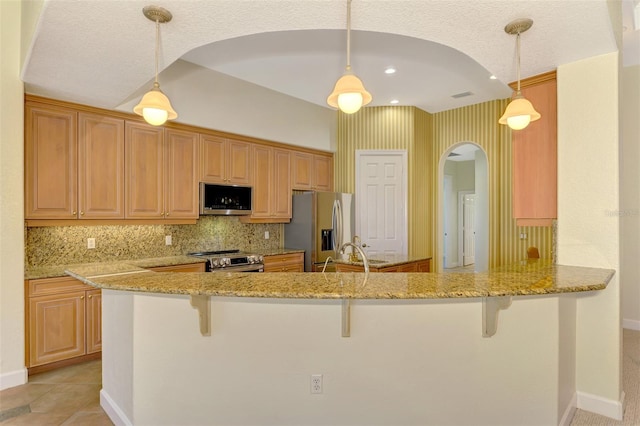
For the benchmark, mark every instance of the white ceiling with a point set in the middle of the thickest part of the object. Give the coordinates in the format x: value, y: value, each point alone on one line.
x: 100, y: 52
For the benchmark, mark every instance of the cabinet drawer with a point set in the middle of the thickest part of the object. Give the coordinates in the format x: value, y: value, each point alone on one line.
x: 292, y: 262
x: 56, y: 285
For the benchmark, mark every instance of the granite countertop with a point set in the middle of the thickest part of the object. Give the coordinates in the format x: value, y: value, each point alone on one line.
x: 533, y: 277
x: 383, y: 260
x: 123, y: 266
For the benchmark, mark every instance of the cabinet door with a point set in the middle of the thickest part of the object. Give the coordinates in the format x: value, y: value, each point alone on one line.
x: 56, y: 327
x: 281, y: 190
x: 212, y: 159
x: 262, y: 181
x: 181, y: 184
x: 238, y: 162
x: 302, y: 166
x: 100, y: 167
x: 50, y: 162
x: 144, y: 163
x: 322, y: 173
x: 535, y: 161
x: 94, y: 321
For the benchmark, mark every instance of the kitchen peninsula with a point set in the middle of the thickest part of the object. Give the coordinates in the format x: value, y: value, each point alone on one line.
x: 416, y: 352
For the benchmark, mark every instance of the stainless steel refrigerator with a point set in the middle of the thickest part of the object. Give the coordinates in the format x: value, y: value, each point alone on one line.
x: 321, y: 222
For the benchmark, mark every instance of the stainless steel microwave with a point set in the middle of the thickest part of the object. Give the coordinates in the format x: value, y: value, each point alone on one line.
x: 225, y: 199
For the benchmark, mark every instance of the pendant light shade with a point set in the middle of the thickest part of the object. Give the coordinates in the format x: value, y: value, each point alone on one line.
x: 520, y: 112
x: 349, y: 94
x: 155, y: 106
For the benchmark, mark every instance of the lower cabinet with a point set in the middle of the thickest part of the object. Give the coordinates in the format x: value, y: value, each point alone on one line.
x: 64, y: 320
x: 291, y: 262
x: 417, y: 266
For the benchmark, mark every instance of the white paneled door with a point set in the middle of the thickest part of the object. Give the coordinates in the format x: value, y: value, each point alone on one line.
x: 469, y: 229
x: 381, y: 201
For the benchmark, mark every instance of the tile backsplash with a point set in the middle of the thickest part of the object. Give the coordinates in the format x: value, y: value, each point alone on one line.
x: 56, y: 245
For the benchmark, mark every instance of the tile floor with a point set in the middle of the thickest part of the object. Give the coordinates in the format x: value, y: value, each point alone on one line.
x: 66, y: 396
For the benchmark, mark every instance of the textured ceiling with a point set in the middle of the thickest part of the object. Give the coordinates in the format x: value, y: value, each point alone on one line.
x: 100, y: 52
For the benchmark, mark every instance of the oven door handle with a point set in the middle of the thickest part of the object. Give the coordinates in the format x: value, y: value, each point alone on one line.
x: 258, y: 267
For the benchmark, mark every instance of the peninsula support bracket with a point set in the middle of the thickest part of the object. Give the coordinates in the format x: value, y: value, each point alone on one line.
x: 203, y: 305
x: 490, y: 308
x: 346, y: 317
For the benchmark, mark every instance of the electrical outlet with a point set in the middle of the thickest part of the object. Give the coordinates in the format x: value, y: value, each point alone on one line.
x: 266, y: 235
x: 523, y: 235
x: 316, y: 383
x: 167, y: 240
x: 91, y: 243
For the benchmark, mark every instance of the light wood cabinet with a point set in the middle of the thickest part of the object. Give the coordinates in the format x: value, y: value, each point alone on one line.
x: 535, y: 157
x: 161, y: 173
x: 74, y: 164
x: 417, y: 266
x: 311, y: 171
x: 51, y: 151
x: 290, y: 262
x: 64, y: 320
x: 100, y: 167
x: 224, y: 161
x: 271, y: 179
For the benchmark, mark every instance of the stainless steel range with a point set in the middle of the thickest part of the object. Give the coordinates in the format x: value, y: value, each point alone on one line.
x: 231, y: 261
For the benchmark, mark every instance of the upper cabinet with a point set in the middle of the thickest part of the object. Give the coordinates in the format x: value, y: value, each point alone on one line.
x: 535, y: 156
x: 271, y: 185
x: 311, y: 171
x: 224, y: 161
x: 51, y: 152
x: 74, y: 164
x: 161, y: 172
x: 100, y: 167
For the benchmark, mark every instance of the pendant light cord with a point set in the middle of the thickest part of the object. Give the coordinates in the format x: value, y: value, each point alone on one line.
x: 348, y: 35
x: 518, y: 56
x: 157, y: 48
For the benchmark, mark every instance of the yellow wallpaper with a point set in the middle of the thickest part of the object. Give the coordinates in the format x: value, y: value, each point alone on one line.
x: 426, y: 137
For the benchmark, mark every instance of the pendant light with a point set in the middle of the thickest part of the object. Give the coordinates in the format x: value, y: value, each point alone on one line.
x: 155, y: 106
x: 519, y: 112
x: 349, y: 94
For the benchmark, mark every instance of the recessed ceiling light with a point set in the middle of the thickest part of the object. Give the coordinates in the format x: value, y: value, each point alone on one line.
x: 493, y: 77
x: 394, y: 101
x: 390, y: 70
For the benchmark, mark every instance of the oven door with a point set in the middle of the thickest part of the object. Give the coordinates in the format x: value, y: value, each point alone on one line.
x: 257, y: 267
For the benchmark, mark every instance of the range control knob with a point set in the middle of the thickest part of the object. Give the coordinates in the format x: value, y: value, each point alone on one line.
x: 215, y: 263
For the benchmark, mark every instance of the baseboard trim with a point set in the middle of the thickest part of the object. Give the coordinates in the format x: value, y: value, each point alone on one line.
x: 117, y: 416
x: 569, y: 412
x: 631, y: 324
x: 13, y: 378
x: 599, y: 405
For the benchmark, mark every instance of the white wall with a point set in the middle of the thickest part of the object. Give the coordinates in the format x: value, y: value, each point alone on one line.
x: 406, y: 362
x: 12, y: 369
x: 236, y: 106
x: 630, y: 197
x: 588, y: 235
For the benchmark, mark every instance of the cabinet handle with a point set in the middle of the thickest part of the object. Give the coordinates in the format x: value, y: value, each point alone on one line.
x: 81, y: 213
x: 90, y: 297
x: 81, y: 297
x: 162, y: 214
x: 74, y: 213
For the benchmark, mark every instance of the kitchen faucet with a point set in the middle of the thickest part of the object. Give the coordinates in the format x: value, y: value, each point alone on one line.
x: 353, y: 246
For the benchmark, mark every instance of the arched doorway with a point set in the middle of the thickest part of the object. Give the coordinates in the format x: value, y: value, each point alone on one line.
x: 463, y: 209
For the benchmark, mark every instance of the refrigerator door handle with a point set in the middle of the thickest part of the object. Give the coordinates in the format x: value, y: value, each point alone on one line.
x: 339, y: 228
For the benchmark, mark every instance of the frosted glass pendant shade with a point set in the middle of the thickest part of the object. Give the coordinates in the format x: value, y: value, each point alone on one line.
x: 349, y: 94
x: 519, y: 113
x: 155, y: 107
